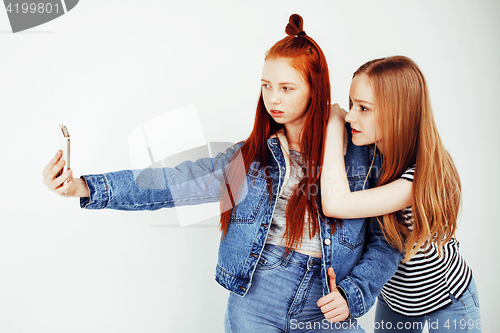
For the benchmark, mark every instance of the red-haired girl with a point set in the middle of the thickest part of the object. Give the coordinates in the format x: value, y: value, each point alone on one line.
x: 277, y: 250
x: 417, y: 198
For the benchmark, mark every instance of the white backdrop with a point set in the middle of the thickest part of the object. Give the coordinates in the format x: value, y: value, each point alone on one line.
x: 108, y: 66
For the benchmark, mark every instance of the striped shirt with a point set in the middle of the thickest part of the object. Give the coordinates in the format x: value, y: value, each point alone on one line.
x: 424, y: 283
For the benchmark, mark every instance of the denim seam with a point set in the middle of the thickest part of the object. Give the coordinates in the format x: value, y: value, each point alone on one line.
x: 348, y: 244
x: 285, y: 261
x: 255, y: 174
x: 476, y: 302
x: 307, y: 290
x: 466, y: 313
x: 264, y: 261
x: 265, y: 268
x: 253, y: 265
x: 294, y: 302
x: 107, y: 190
x: 255, y: 212
x: 358, y: 298
x: 276, y: 254
x: 232, y: 275
x: 356, y: 177
x: 170, y: 201
x: 90, y: 198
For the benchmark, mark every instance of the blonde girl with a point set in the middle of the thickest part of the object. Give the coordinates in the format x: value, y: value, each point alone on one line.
x: 417, y: 198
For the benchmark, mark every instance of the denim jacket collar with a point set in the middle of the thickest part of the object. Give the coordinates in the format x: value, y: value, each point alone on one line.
x: 286, y: 149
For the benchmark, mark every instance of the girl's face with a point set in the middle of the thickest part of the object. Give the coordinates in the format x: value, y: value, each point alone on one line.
x: 361, y: 114
x: 285, y: 93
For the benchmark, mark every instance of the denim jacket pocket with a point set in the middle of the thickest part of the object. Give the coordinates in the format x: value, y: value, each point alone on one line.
x: 350, y: 233
x: 251, y: 198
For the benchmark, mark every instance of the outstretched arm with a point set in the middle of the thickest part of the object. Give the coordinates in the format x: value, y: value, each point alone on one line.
x: 189, y: 183
x: 336, y: 197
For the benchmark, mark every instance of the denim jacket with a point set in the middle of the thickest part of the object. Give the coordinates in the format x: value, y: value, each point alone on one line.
x: 361, y: 258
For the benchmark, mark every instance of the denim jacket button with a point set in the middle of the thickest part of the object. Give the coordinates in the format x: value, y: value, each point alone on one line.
x: 328, y: 241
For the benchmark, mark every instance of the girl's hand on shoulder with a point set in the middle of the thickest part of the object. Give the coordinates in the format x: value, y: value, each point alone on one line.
x: 337, y: 114
x: 56, y: 181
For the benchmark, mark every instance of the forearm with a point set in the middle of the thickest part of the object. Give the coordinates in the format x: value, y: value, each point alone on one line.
x: 339, y: 200
x: 127, y: 190
x: 189, y: 183
x: 334, y: 183
x: 81, y: 188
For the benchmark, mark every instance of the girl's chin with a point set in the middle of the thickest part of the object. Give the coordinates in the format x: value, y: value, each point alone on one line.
x: 358, y: 142
x: 363, y: 143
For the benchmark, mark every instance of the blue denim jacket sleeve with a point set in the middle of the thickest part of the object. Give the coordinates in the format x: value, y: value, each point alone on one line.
x: 189, y: 183
x: 376, y: 266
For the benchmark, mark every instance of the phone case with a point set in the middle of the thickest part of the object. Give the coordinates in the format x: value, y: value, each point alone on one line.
x: 64, y: 145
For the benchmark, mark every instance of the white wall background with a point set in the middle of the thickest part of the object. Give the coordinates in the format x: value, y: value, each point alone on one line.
x: 108, y: 66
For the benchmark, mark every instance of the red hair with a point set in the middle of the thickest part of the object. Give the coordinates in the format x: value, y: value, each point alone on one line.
x: 307, y: 58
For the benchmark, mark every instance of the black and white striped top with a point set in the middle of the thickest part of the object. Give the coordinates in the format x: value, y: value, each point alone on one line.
x: 424, y: 283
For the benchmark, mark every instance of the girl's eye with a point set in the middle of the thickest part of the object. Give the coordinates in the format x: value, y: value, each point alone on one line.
x: 350, y: 104
x: 287, y: 88
x: 363, y: 108
x: 265, y: 85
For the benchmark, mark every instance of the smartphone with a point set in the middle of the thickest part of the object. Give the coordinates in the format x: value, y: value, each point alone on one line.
x: 64, y: 145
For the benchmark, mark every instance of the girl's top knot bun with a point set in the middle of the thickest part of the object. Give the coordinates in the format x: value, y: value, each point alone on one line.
x: 295, y: 26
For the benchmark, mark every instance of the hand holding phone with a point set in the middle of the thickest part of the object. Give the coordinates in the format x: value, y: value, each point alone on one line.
x: 55, y: 175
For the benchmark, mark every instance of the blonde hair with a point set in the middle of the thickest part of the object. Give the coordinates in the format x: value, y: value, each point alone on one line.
x: 404, y: 115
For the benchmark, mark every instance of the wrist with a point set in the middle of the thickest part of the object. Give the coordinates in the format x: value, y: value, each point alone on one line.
x: 344, y: 295
x: 81, y: 188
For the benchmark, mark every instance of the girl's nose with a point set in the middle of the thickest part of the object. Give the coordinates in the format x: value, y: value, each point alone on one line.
x: 275, y: 99
x: 350, y: 117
